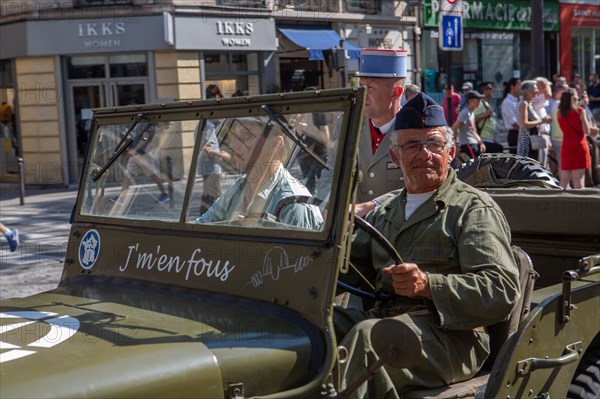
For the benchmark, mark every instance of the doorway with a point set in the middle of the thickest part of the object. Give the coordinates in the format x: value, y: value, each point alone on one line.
x: 88, y: 96
x: 98, y: 82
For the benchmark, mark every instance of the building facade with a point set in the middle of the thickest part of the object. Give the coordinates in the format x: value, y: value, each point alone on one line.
x: 497, y: 43
x: 579, y: 38
x: 61, y: 59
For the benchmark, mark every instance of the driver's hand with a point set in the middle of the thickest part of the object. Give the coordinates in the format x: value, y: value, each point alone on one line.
x: 408, y: 280
x: 364, y: 208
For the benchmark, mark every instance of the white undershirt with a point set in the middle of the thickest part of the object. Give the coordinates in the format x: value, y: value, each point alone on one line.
x: 388, y: 126
x: 414, y: 201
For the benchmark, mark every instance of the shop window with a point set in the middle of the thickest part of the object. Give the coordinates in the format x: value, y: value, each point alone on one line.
x: 239, y: 62
x: 233, y: 62
x: 86, y: 67
x: 215, y: 62
x: 128, y: 65
x: 236, y: 74
x: 585, y: 51
x: 243, y: 3
x: 96, y: 66
x: 310, y: 5
x: 6, y: 75
x: 364, y: 6
x: 102, y: 3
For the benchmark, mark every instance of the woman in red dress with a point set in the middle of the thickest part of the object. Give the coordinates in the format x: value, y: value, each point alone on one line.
x: 574, y: 153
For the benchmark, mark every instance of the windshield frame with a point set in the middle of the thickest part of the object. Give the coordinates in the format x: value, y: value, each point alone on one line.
x: 342, y: 100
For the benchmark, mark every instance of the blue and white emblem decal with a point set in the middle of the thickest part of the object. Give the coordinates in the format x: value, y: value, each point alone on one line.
x: 89, y: 249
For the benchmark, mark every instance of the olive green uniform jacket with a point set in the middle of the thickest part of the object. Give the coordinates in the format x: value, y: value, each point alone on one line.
x: 461, y: 239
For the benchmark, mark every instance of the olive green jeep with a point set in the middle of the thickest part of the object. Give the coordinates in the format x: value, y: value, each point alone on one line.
x: 181, y: 279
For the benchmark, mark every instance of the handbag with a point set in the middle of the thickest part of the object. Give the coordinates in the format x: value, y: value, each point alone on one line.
x: 538, y: 142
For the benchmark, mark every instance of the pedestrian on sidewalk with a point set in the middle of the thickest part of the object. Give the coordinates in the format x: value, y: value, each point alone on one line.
x: 470, y: 142
x: 510, y: 113
x: 455, y: 99
x: 575, y: 153
x: 141, y: 162
x: 529, y: 120
x: 12, y: 236
x: 540, y: 104
x: 485, y: 118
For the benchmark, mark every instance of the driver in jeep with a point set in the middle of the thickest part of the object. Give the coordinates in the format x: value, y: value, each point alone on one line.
x: 458, y: 275
x: 259, y: 150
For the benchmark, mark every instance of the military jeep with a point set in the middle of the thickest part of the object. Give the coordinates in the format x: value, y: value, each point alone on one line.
x: 159, y: 300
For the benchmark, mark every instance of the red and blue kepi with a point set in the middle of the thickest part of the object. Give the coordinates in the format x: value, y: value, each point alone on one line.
x: 382, y: 63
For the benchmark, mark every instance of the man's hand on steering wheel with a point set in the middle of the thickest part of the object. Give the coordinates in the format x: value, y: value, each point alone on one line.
x: 409, y: 280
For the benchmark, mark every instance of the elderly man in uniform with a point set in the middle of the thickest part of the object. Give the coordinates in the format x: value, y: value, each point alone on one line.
x: 459, y: 273
x: 383, y: 73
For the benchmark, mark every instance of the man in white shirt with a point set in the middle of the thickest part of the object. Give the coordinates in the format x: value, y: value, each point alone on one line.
x: 540, y: 104
x: 509, y: 109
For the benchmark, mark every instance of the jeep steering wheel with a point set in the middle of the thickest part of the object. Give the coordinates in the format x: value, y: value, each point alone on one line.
x: 386, y: 245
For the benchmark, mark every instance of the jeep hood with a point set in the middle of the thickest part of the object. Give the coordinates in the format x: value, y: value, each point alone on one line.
x: 105, y: 339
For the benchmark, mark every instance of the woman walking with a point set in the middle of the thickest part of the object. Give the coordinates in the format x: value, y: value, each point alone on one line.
x: 529, y: 120
x: 574, y: 153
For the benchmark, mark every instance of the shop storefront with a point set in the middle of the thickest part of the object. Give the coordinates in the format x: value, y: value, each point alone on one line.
x: 9, y: 149
x: 313, y: 56
x: 579, y: 39
x: 497, y: 43
x: 62, y: 69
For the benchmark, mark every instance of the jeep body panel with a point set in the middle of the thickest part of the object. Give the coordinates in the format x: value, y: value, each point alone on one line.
x: 542, y: 356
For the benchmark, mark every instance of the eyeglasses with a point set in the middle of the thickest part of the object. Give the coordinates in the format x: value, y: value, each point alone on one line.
x: 413, y: 147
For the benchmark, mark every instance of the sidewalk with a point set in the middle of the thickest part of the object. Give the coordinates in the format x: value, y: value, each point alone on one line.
x: 43, y: 223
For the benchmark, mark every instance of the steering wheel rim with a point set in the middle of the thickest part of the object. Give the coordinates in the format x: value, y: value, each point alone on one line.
x: 386, y: 245
x: 380, y: 238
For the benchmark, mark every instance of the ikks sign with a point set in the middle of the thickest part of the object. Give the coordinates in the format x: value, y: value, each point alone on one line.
x: 101, y: 34
x: 506, y: 15
x: 214, y: 33
x: 82, y: 36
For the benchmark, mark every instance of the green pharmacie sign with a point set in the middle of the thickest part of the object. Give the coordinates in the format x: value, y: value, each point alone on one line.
x: 506, y: 15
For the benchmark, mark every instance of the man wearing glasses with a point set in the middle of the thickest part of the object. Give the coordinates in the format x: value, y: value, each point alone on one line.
x: 259, y: 149
x: 458, y: 275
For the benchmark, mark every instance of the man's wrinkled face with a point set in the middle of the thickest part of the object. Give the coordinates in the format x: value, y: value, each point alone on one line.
x: 424, y: 157
x: 380, y: 93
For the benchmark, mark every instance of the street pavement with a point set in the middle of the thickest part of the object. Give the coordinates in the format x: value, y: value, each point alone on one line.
x: 43, y: 223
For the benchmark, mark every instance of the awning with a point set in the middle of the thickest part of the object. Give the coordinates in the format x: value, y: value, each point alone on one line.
x: 315, y: 39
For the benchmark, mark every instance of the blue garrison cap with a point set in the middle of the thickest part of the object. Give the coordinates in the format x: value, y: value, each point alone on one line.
x: 382, y: 63
x: 420, y: 112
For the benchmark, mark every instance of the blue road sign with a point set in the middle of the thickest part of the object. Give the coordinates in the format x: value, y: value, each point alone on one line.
x: 451, y: 32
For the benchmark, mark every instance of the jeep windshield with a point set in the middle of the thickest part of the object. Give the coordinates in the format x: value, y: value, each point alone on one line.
x: 213, y: 164
x: 244, y: 197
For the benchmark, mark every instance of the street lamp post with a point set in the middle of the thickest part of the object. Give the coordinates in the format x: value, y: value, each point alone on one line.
x: 537, y: 38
